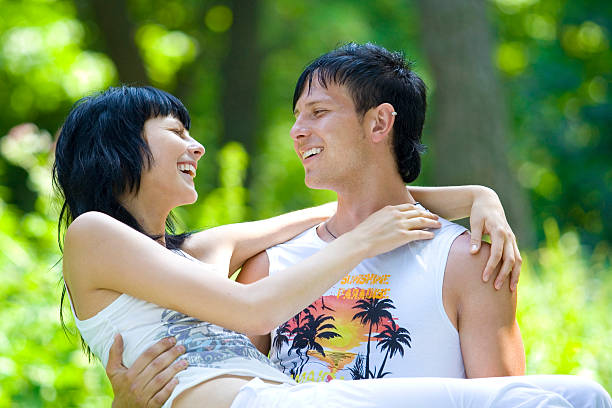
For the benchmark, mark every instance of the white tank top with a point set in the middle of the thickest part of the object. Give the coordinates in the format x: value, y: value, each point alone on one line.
x: 386, y: 315
x: 211, y: 350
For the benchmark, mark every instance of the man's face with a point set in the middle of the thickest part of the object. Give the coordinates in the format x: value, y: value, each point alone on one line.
x: 328, y: 136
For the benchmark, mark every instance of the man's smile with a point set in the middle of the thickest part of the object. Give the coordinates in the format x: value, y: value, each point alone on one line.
x: 310, y: 152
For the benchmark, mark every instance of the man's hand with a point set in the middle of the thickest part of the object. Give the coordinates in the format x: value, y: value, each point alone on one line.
x: 488, y: 217
x: 150, y: 380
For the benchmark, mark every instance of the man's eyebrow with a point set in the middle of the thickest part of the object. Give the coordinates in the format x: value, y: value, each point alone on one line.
x: 308, y: 104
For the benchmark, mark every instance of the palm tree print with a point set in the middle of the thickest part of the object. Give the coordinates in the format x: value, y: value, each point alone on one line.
x: 374, y: 311
x: 391, y: 339
x: 323, y: 307
x: 295, y: 333
x: 357, y: 370
x: 281, y: 339
x: 306, y: 337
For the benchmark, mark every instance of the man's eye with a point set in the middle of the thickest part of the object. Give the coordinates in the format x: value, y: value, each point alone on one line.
x: 319, y: 112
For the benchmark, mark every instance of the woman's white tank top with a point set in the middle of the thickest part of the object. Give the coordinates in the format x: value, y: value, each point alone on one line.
x: 211, y: 350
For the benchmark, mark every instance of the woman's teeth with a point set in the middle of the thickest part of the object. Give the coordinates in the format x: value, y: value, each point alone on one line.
x: 187, y: 169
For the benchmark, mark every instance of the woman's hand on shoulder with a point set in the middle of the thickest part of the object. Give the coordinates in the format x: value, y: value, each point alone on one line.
x: 394, y: 226
x: 488, y: 217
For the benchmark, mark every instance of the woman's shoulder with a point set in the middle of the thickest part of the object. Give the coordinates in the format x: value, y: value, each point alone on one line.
x: 82, y: 264
x: 86, y: 232
x: 90, y: 219
x: 91, y: 225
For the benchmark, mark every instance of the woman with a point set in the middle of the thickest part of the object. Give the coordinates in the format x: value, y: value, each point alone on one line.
x: 124, y: 160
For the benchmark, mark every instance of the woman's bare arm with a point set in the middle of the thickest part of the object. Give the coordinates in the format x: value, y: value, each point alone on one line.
x: 239, y: 242
x: 452, y: 202
x: 102, y: 253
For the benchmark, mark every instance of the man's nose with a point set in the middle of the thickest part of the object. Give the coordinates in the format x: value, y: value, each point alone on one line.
x: 299, y: 130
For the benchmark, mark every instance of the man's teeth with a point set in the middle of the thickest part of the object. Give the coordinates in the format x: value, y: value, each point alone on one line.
x: 311, y: 152
x: 186, y: 167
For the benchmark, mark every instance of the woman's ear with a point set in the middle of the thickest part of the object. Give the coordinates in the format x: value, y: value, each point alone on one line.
x: 380, y: 121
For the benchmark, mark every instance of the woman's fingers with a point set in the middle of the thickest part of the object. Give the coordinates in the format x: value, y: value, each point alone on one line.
x: 495, y: 256
x: 413, y: 210
x: 394, y: 226
x: 507, y: 265
x: 476, y: 226
x: 405, y: 206
x: 516, y: 271
x: 421, y: 223
x: 416, y: 235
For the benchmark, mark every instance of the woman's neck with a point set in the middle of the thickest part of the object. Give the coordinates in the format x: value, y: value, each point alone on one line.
x: 151, y: 218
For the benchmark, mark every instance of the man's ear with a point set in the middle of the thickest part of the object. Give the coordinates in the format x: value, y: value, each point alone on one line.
x: 380, y: 121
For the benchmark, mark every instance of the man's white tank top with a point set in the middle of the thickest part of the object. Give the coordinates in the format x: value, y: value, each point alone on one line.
x: 385, y: 318
x: 211, y: 350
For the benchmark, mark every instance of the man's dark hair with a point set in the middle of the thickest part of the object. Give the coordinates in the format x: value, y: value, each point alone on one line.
x: 101, y: 153
x: 374, y: 75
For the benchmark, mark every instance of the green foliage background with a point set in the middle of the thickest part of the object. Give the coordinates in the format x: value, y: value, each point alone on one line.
x: 553, y: 55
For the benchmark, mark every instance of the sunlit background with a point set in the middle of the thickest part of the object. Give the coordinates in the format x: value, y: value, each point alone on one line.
x: 520, y: 100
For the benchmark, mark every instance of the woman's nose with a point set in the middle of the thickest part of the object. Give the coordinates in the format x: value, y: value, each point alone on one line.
x: 196, y: 149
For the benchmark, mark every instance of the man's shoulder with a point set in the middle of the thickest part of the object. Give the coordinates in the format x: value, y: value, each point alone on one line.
x: 438, y: 248
x: 297, y: 248
x: 462, y: 262
x: 448, y: 228
x: 464, y: 270
x: 307, y: 237
x: 258, y: 266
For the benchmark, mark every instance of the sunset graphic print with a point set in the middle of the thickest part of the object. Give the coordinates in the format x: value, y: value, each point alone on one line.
x: 350, y: 335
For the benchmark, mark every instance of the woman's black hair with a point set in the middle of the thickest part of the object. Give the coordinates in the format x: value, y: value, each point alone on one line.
x: 101, y: 153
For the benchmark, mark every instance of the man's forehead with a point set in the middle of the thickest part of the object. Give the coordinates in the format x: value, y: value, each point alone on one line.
x: 314, y: 92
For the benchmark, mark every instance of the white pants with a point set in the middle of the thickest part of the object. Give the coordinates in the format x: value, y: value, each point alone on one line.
x: 537, y: 391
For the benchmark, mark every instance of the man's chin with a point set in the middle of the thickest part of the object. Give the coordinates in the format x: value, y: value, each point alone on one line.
x: 316, y: 184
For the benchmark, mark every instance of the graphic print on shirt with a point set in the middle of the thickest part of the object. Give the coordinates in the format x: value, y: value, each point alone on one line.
x: 331, y: 334
x: 205, y: 343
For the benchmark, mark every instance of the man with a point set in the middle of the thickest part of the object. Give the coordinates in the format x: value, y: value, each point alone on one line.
x: 420, y: 310
x: 359, y: 113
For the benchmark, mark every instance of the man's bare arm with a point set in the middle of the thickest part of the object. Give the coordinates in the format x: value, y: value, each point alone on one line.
x: 490, y: 338
x: 253, y: 270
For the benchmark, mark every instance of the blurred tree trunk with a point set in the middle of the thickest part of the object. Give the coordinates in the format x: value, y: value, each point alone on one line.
x: 241, y: 68
x: 117, y: 31
x: 470, y: 125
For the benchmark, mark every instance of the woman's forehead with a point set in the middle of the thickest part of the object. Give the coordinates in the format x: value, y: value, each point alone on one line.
x: 164, y: 122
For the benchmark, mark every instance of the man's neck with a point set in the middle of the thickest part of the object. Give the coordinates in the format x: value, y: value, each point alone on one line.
x: 357, y: 202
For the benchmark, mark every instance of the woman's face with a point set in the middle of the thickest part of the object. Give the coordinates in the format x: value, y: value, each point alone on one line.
x: 175, y: 160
